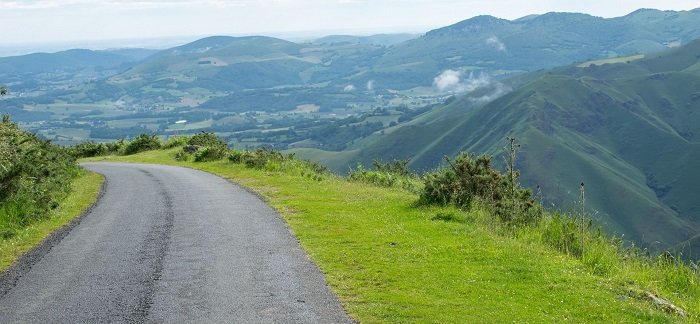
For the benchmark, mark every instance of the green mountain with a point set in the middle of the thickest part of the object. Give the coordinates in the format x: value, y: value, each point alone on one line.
x: 494, y: 46
x: 62, y: 61
x: 379, y: 39
x: 32, y: 71
x: 628, y: 130
x: 218, y: 66
x: 503, y: 47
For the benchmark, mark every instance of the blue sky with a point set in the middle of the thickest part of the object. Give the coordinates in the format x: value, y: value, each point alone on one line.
x: 79, y: 21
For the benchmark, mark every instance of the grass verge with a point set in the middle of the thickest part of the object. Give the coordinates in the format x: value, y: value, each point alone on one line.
x: 84, y: 192
x: 390, y: 261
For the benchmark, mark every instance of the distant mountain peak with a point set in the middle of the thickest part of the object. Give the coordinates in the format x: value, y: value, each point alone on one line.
x: 563, y: 17
x: 482, y: 20
x: 526, y: 18
x: 471, y: 25
x: 643, y: 10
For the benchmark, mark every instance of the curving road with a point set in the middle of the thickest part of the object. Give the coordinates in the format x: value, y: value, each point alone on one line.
x: 171, y: 245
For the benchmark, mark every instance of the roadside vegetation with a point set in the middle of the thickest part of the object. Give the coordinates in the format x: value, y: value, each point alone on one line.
x: 84, y: 192
x: 35, y: 176
x: 463, y: 243
x: 41, y: 188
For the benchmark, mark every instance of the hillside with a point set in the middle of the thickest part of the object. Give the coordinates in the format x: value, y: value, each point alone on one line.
x: 628, y: 130
x: 223, y: 63
x: 379, y: 39
x: 33, y: 71
x: 504, y: 47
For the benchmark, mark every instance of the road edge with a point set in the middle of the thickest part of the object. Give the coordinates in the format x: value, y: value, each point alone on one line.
x: 267, y: 201
x: 24, y: 263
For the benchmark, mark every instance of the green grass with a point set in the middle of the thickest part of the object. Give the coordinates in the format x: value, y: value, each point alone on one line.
x: 614, y: 60
x: 84, y: 193
x: 391, y: 261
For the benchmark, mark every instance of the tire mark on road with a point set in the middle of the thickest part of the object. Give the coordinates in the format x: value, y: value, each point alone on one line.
x: 154, y: 249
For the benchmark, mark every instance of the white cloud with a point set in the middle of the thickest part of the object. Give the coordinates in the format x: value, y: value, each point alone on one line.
x: 499, y: 89
x: 447, y: 80
x: 496, y: 43
x: 453, y: 82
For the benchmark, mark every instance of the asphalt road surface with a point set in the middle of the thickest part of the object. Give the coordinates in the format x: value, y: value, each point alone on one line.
x: 171, y: 245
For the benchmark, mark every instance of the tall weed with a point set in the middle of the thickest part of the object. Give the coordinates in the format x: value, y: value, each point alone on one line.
x: 390, y: 174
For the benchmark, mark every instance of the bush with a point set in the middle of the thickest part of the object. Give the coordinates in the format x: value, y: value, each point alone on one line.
x: 35, y: 175
x: 116, y: 147
x: 470, y: 179
x: 236, y: 156
x: 398, y: 167
x: 142, y: 143
x: 210, y: 153
x: 206, y: 139
x: 88, y: 149
x: 206, y: 147
x: 176, y: 141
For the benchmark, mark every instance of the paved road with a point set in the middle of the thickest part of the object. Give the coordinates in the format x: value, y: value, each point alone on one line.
x: 172, y: 245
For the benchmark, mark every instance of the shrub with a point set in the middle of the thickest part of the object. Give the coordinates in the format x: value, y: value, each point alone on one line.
x: 469, y: 179
x: 88, y: 149
x: 176, y: 141
x: 398, y: 167
x: 210, y: 153
x: 205, y: 139
x: 34, y: 176
x: 259, y: 158
x: 206, y: 147
x: 142, y: 143
x: 116, y: 147
x: 236, y: 156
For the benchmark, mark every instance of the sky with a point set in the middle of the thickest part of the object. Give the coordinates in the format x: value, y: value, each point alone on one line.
x: 29, y: 25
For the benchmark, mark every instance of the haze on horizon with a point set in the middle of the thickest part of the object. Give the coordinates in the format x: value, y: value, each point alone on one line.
x: 28, y: 24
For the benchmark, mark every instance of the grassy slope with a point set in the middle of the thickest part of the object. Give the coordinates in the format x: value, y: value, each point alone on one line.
x: 389, y: 261
x: 84, y: 193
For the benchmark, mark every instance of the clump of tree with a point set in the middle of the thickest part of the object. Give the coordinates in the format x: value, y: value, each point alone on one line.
x: 35, y: 175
